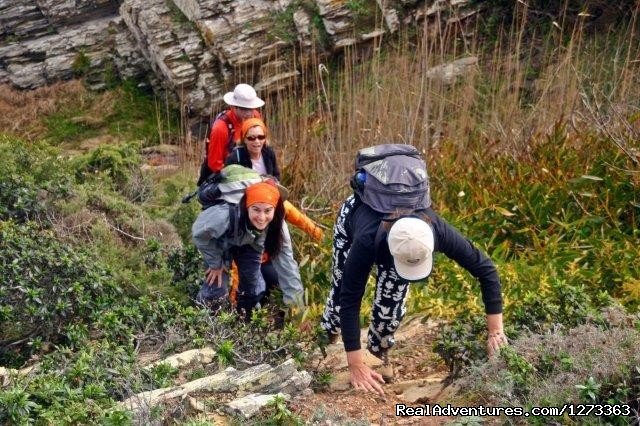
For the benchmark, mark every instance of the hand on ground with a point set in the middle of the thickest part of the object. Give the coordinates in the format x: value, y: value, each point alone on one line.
x: 363, y: 377
x: 495, y: 341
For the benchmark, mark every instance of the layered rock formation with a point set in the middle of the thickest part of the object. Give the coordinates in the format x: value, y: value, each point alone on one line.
x: 49, y: 40
x: 195, y: 48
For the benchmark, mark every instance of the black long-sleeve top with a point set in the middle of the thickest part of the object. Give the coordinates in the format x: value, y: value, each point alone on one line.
x: 363, y: 227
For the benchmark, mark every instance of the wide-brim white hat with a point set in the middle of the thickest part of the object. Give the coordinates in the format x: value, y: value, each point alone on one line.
x: 243, y: 96
x: 411, y: 244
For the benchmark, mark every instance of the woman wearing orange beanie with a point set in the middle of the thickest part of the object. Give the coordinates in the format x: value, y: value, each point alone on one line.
x: 254, y: 152
x: 242, y: 232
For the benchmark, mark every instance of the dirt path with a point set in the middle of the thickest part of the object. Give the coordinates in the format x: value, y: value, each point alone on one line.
x: 419, y: 376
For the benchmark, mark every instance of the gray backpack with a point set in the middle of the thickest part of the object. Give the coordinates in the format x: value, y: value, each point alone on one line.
x: 391, y: 177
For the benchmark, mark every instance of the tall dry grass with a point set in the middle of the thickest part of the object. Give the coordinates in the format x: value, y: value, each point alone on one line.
x: 21, y: 111
x: 525, y: 84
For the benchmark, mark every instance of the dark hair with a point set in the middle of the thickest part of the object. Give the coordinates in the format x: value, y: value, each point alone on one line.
x: 273, y: 241
x: 391, y: 218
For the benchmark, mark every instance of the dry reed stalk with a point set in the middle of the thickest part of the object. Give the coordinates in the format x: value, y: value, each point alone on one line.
x: 526, y: 84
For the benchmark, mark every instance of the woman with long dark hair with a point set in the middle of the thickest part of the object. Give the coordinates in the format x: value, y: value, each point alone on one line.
x: 242, y: 233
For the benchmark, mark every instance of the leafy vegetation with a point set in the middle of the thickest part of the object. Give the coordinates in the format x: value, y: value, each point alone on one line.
x: 564, y: 365
x: 533, y: 155
x: 48, y: 286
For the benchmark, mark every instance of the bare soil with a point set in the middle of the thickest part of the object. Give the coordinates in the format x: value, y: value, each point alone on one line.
x: 418, y: 379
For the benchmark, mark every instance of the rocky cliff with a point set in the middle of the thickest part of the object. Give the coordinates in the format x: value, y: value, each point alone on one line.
x: 195, y: 48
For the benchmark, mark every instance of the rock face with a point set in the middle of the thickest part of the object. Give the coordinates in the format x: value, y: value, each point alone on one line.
x: 49, y: 40
x: 197, y: 49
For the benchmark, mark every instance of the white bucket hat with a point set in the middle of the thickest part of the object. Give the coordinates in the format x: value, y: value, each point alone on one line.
x: 243, y: 96
x: 411, y: 245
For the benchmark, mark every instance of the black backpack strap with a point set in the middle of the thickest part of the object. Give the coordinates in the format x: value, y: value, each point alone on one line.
x: 232, y: 231
x: 381, y: 234
x: 234, y: 221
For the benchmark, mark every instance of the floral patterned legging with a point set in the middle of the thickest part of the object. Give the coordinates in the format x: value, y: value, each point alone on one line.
x: 391, y: 290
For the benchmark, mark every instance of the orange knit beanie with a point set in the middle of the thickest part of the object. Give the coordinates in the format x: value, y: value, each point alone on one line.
x: 262, y: 192
x: 252, y: 122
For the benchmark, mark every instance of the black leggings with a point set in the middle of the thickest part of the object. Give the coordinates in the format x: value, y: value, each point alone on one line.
x: 254, y: 283
x: 270, y: 277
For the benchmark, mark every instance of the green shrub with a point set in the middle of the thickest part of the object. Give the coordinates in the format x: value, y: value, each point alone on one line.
x: 163, y: 374
x: 561, y: 305
x: 31, y: 179
x: 17, y: 407
x: 77, y: 387
x: 117, y: 162
x: 183, y: 218
x: 225, y: 352
x: 138, y: 115
x: 187, y: 267
x: 460, y: 343
x: 279, y: 413
x: 47, y: 285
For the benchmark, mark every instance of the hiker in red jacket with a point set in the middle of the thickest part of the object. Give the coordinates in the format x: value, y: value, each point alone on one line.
x: 226, y: 128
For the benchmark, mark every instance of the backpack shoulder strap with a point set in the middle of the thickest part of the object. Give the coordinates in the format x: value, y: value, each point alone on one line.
x: 222, y: 115
x: 380, y: 235
x: 234, y: 221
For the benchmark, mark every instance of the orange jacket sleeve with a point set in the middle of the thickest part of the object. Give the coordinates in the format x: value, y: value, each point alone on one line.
x: 302, y: 221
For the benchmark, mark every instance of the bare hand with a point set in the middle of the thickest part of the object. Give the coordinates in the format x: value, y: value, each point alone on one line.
x: 214, y: 276
x: 496, y: 337
x: 362, y: 376
x: 495, y: 341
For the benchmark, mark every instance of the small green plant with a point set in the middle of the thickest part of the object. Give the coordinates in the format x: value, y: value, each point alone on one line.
x: 225, y: 353
x: 280, y: 413
x: 199, y: 422
x: 118, y: 162
x: 589, y: 390
x: 283, y: 26
x: 162, y: 374
x: 550, y: 363
x: 186, y: 266
x: 31, y: 182
x: 260, y: 318
x: 81, y: 64
x: 177, y: 16
x: 462, y: 342
x: 17, y: 406
x: 117, y: 418
x: 196, y: 373
x: 322, y: 380
x: 363, y: 12
x: 520, y: 370
x: 76, y: 334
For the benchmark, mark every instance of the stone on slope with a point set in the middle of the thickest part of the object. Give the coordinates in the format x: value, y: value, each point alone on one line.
x: 250, y: 405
